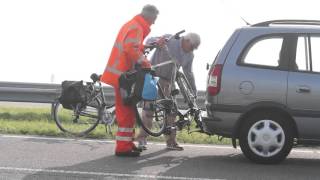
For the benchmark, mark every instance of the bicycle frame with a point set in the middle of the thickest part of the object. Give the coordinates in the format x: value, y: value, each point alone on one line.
x: 175, y: 69
x: 193, y: 109
x: 97, y: 93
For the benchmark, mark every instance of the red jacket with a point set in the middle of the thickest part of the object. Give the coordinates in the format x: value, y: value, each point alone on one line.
x: 127, y: 50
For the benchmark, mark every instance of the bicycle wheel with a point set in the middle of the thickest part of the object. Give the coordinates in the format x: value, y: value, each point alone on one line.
x: 77, y: 121
x: 158, y: 119
x: 185, y: 88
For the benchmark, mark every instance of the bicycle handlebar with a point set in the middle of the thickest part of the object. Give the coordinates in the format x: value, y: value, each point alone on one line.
x: 177, y: 35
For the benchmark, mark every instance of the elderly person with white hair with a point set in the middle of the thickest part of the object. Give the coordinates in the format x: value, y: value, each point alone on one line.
x: 181, y: 50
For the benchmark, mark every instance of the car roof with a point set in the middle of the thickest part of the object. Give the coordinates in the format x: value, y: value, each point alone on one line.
x: 286, y: 26
x: 288, y: 22
x: 284, y: 29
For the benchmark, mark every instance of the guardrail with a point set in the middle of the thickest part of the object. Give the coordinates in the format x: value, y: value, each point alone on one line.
x: 47, y: 93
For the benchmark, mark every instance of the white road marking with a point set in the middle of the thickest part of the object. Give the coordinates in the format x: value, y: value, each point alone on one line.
x: 152, y: 143
x: 62, y: 172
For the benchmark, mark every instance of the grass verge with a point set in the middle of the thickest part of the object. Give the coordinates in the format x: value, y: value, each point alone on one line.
x: 38, y: 121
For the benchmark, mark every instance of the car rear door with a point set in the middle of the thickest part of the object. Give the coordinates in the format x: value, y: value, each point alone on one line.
x: 304, y: 86
x: 258, y: 76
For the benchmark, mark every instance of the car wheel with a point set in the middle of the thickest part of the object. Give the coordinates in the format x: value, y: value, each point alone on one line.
x: 266, y: 138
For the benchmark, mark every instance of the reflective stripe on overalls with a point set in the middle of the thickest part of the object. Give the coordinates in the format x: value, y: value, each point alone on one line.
x: 125, y: 134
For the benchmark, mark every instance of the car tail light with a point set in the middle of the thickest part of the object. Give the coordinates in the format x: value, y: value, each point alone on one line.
x: 214, y: 81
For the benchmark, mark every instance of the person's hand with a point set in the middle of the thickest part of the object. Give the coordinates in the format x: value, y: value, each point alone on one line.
x: 145, y: 64
x: 161, y: 42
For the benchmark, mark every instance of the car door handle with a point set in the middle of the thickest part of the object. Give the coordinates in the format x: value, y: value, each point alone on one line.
x: 303, y: 89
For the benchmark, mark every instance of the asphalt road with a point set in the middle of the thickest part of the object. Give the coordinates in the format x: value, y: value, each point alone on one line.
x: 29, y: 157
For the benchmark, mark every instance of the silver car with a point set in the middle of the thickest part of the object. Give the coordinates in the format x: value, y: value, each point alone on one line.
x: 263, y: 89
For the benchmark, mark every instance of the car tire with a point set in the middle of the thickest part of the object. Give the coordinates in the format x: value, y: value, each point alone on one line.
x: 266, y: 138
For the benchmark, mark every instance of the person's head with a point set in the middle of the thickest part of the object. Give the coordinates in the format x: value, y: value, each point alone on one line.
x: 190, y: 42
x: 150, y: 13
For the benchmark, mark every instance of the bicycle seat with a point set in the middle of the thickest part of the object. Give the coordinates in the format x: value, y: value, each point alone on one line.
x: 95, y: 77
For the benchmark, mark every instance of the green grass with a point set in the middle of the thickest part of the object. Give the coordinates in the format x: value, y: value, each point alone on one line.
x: 38, y: 121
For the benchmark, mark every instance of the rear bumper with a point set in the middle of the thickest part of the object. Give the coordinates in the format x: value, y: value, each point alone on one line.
x: 209, y: 125
x: 215, y: 126
x: 221, y: 123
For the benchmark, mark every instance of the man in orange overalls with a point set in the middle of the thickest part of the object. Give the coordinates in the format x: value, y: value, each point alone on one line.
x: 126, y: 52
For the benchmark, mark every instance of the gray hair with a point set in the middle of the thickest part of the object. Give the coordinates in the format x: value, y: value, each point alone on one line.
x: 194, y: 39
x: 150, y: 12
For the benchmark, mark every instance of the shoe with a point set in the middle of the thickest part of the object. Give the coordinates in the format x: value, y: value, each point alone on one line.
x: 142, y: 145
x: 140, y: 149
x: 174, y: 147
x: 131, y: 153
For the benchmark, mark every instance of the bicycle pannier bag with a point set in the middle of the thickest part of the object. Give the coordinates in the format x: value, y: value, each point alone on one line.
x: 126, y: 81
x: 150, y: 88
x: 128, y: 84
x: 73, y: 93
x: 137, y: 85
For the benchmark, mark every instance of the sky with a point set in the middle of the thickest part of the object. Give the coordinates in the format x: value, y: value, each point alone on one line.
x: 48, y: 41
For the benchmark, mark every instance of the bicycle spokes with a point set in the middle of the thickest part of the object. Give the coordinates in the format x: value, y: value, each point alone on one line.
x: 76, y: 121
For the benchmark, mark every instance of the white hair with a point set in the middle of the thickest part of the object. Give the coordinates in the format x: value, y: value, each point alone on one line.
x: 150, y: 12
x: 194, y: 39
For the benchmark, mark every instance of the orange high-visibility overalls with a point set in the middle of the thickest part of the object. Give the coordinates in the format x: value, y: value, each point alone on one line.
x: 127, y: 51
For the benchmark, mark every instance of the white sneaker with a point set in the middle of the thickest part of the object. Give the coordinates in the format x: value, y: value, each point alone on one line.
x: 142, y: 145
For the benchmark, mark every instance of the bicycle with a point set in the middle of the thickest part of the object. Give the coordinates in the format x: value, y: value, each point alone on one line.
x: 80, y: 118
x: 163, y: 106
